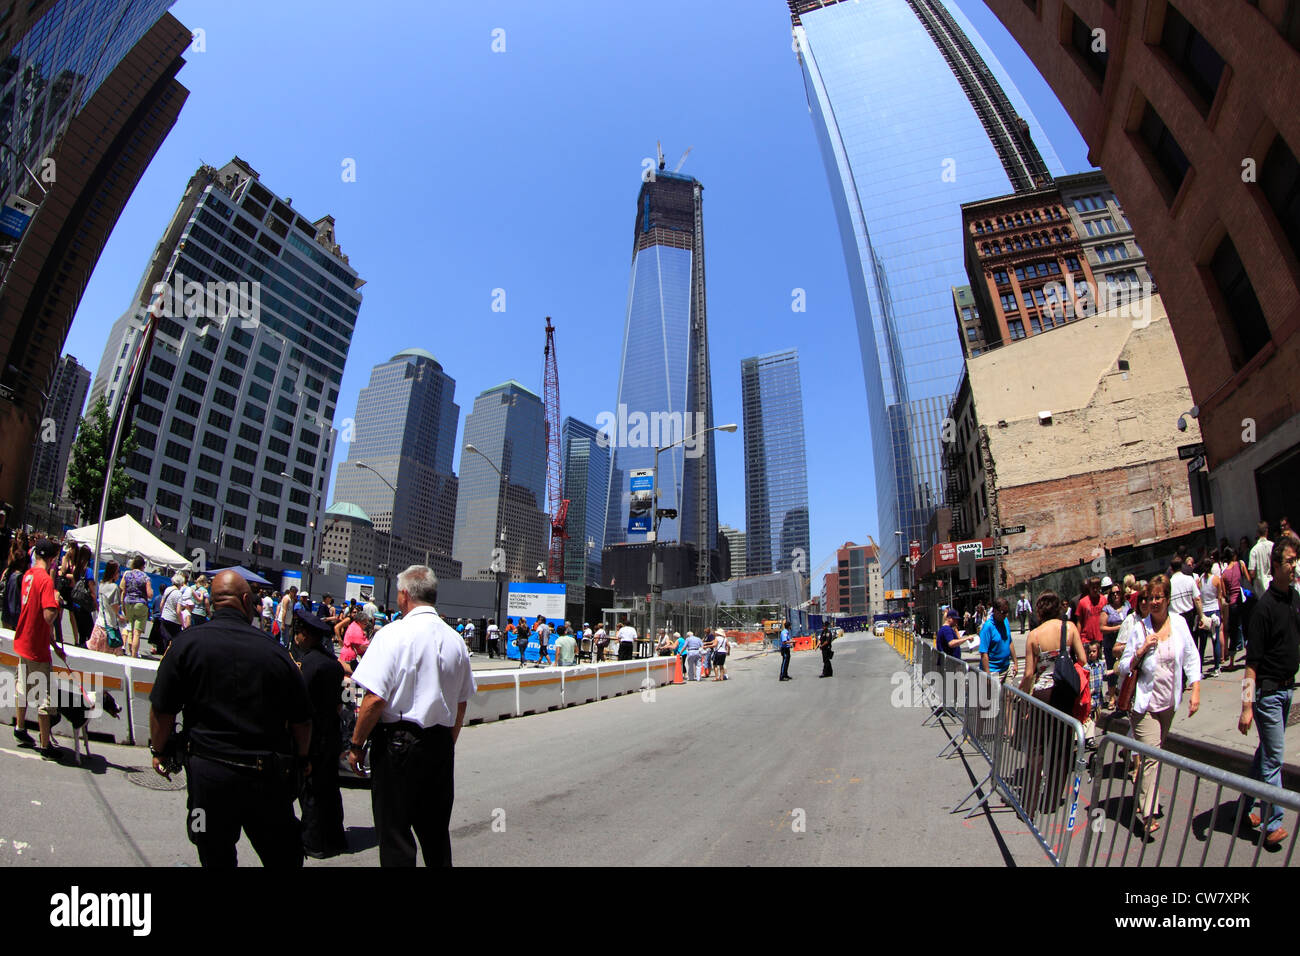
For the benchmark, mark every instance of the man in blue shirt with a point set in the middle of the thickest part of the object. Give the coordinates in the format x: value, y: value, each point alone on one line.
x: 997, y: 654
x: 948, y: 641
x: 786, y: 644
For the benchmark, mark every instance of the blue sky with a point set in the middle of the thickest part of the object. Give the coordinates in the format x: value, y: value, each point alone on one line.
x: 519, y: 170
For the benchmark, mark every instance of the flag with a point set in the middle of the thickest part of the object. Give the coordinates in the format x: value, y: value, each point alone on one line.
x: 257, y: 542
x: 156, y: 520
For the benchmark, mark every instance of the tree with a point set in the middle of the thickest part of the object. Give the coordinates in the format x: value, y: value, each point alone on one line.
x: 87, y: 465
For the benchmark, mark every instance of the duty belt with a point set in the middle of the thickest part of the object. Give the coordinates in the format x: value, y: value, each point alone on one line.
x: 260, y: 764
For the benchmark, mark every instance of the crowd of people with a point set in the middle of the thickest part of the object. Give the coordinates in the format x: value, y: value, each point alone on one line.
x: 1227, y: 601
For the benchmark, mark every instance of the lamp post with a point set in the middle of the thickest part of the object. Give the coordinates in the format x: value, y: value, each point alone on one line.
x: 654, y: 542
x: 388, y: 564
x: 498, y: 535
x: 311, y: 556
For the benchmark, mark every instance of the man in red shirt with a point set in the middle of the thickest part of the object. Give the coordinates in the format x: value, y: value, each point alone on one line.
x: 33, y: 638
x: 1087, y: 615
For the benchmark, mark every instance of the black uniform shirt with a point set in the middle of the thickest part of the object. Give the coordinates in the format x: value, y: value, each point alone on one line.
x: 1273, y: 644
x: 324, y: 677
x: 237, y: 690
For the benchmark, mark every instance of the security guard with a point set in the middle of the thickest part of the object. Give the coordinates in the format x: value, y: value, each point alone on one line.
x: 247, y: 715
x: 320, y: 799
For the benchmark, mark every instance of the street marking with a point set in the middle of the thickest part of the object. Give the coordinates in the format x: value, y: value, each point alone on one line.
x: 15, y: 753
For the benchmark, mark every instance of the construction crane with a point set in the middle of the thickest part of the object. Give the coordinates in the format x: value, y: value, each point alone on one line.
x: 558, y: 506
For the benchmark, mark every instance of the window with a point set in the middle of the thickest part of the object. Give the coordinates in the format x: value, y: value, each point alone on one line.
x: 204, y: 487
x: 259, y: 391
x: 239, y: 500
x: 278, y: 445
x: 247, y: 455
x: 183, y: 403
x: 972, y: 334
x: 1017, y: 329
x: 214, y: 441
x: 1085, y: 44
x: 200, y: 362
x: 209, y: 464
x: 220, y: 421
x: 1280, y: 181
x: 1168, y: 155
x: 241, y: 477
x: 1192, y: 54
x: 1242, y: 304
x: 1034, y: 325
x: 193, y: 383
x: 1089, y: 203
x: 1000, y: 277
x: 177, y: 452
x: 1009, y: 303
x: 250, y: 434
x: 272, y: 487
x: 182, y: 429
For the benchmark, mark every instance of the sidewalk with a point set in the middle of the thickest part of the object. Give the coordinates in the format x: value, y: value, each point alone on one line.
x: 1211, y: 736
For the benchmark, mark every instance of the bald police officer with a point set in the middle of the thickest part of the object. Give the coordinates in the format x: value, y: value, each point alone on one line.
x: 247, y: 719
x: 319, y: 798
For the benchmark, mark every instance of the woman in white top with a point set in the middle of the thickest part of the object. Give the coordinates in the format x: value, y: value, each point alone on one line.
x: 721, y: 646
x: 110, y: 608
x: 186, y: 604
x: 1213, y: 597
x: 1162, y: 650
x: 170, y: 617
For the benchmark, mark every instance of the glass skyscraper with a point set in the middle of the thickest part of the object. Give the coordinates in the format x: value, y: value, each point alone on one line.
x: 776, y: 468
x: 405, y: 429
x: 508, y: 425
x: 664, y: 392
x: 914, y: 116
x: 586, y: 477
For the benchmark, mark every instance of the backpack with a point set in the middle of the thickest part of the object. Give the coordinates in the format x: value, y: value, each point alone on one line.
x: 1065, y: 678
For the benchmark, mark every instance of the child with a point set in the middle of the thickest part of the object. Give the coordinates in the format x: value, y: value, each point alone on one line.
x: 1097, y: 681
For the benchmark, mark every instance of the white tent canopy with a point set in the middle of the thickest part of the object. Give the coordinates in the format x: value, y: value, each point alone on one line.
x: 124, y: 538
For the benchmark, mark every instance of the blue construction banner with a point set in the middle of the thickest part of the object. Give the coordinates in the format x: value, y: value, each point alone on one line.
x: 642, y: 483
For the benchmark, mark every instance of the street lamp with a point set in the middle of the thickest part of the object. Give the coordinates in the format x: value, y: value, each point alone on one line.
x: 311, y: 557
x: 388, y: 564
x: 654, y: 543
x: 498, y: 534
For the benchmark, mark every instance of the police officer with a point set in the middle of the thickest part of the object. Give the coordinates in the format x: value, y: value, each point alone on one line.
x: 824, y: 642
x: 247, y: 715
x: 320, y: 799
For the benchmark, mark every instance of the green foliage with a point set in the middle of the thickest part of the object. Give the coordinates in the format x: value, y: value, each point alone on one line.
x: 87, y: 465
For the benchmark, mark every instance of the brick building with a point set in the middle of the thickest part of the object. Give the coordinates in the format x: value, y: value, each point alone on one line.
x: 1082, y: 452
x: 1189, y: 106
x: 856, y: 586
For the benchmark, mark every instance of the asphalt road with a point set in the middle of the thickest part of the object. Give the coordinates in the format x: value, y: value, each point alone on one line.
x: 747, y: 772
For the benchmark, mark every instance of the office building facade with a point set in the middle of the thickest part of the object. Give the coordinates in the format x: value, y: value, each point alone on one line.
x: 735, y: 539
x: 1190, y: 111
x: 855, y: 586
x: 508, y: 425
x: 664, y: 387
x: 58, y: 429
x: 914, y: 116
x: 586, y: 479
x: 256, y: 306
x: 776, y: 466
x: 405, y: 429
x: 88, y: 92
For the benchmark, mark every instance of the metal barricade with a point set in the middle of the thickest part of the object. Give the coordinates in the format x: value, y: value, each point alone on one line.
x: 1038, y: 761
x: 1194, y: 811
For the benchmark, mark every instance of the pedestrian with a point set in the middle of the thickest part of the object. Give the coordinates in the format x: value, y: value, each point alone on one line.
x: 997, y: 650
x: 1053, y: 637
x: 418, y: 682
x: 319, y: 797
x: 1260, y: 560
x: 268, y: 613
x: 602, y: 641
x: 948, y: 641
x: 1087, y: 610
x: 692, y: 646
x: 787, y: 643
x: 1113, y: 613
x: 85, y: 600
x: 522, y: 639
x: 666, y: 645
x: 1184, y: 597
x: 202, y: 598
x: 1022, y: 611
x: 566, y: 648
x: 1213, y: 597
x: 33, y: 639
x: 248, y: 729
x: 356, y: 640
x: 170, y: 614
x: 721, y: 647
x: 1272, y: 660
x: 283, y: 616
x: 1163, y: 654
x: 186, y: 606
x: 543, y: 631
x: 19, y: 561
x: 328, y: 615
x: 137, y: 592
x: 492, y: 633
x: 108, y: 626
x: 824, y: 644
x: 626, y: 640
x: 469, y: 636
x: 1234, y: 578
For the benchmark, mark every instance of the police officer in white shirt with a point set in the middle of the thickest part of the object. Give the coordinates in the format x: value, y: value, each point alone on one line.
x: 418, y: 681
x: 626, y: 641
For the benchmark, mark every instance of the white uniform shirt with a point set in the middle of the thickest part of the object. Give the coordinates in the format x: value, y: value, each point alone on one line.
x: 626, y: 634
x: 420, y: 667
x: 268, y: 608
x: 492, y: 632
x: 1260, y: 564
x: 1182, y: 593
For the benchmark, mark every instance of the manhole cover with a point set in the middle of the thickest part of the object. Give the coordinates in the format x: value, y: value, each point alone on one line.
x: 147, y: 778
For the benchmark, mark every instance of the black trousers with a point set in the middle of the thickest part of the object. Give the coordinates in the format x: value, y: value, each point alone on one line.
x: 322, y: 807
x: 785, y: 663
x: 412, y: 789
x: 625, y: 650
x: 827, y: 671
x: 223, y: 800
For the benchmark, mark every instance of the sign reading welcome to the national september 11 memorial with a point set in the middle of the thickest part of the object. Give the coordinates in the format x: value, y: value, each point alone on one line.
x: 528, y: 600
x: 642, y: 483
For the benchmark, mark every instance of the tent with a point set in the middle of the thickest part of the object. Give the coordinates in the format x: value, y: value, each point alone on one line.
x: 124, y: 538
x: 252, y: 577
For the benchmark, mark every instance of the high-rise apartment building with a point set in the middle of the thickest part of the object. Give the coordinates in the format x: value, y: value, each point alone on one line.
x: 88, y: 92
x: 776, y: 466
x: 507, y: 490
x: 586, y: 479
x: 405, y: 430
x: 58, y: 429
x: 914, y: 116
x: 257, y: 306
x: 664, y: 391
x: 1189, y: 107
x: 736, y: 540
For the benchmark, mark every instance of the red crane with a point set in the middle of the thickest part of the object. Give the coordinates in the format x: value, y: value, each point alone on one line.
x: 558, y: 505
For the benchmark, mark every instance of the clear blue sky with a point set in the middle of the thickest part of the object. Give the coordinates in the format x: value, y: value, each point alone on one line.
x: 519, y: 170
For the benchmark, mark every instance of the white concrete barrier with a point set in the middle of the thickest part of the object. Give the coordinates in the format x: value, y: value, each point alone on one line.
x: 497, y: 697
x: 581, y: 684
x: 540, y: 689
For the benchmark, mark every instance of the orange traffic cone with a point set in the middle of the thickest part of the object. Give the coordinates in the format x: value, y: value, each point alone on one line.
x: 677, y: 670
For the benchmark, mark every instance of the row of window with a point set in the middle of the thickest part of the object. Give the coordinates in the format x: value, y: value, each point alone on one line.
x: 1018, y: 219
x: 1018, y: 243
